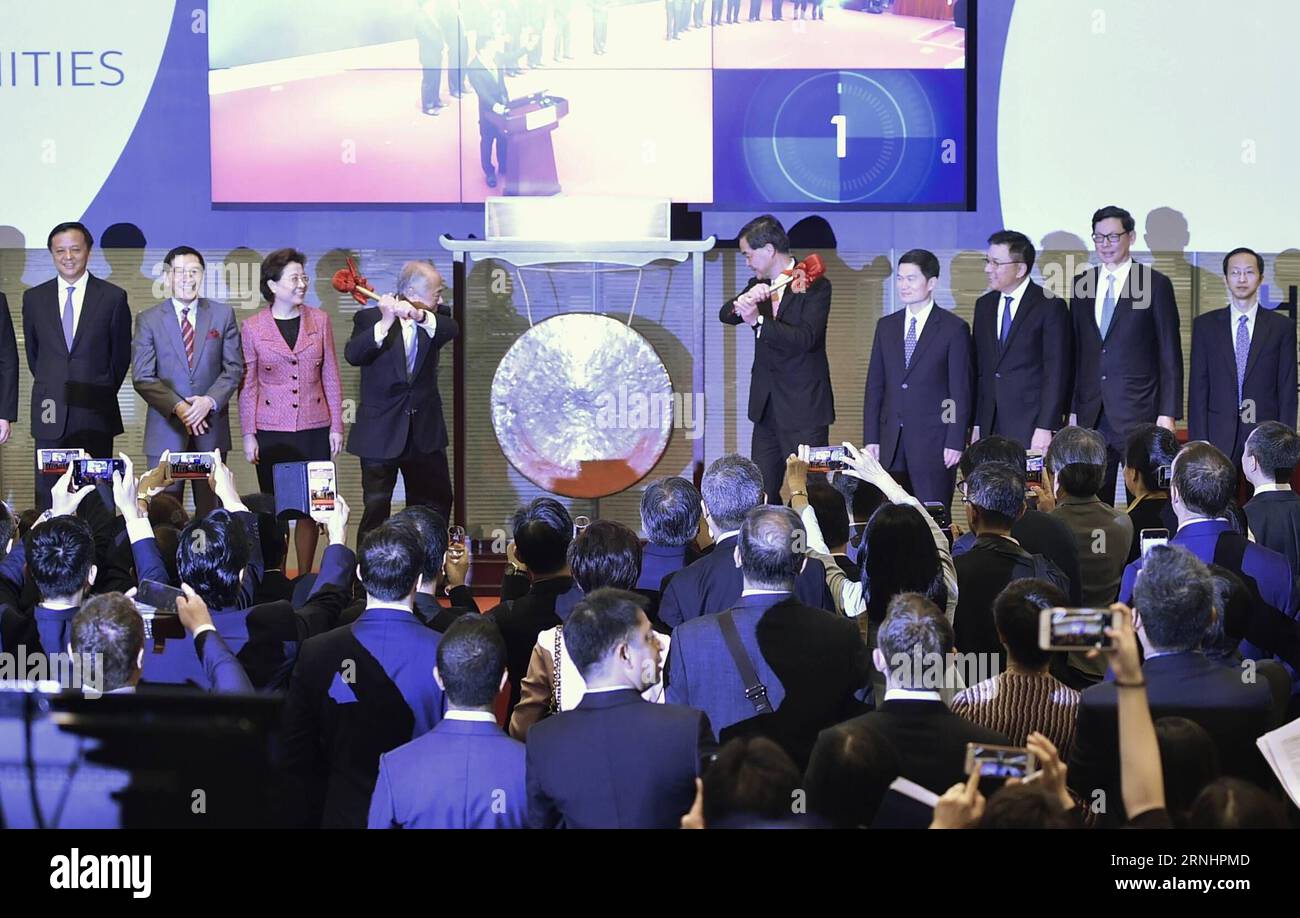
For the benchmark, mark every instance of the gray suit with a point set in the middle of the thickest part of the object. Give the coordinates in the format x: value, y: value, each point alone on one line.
x: 162, y: 375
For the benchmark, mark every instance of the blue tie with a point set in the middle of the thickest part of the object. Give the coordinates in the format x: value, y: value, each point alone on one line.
x: 1006, y: 322
x: 411, y: 352
x: 1108, y: 305
x: 67, y: 320
x: 909, y: 344
x: 1243, y: 353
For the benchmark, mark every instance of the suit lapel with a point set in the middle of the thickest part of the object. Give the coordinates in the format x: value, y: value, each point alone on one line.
x: 55, y: 314
x: 928, y: 334
x: 1027, y: 303
x: 172, y: 329
x: 202, y: 319
x: 397, y: 346
x: 423, y: 344
x: 1256, y: 342
x: 305, y: 327
x: 1124, y: 301
x: 89, y: 307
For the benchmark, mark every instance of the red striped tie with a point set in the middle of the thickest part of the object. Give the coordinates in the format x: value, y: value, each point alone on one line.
x: 187, y: 335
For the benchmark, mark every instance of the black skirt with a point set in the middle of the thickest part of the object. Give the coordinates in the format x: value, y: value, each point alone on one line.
x: 288, y: 446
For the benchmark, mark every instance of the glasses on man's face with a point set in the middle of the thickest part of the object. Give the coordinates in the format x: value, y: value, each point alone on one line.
x: 991, y: 263
x: 1112, y: 238
x: 1243, y: 274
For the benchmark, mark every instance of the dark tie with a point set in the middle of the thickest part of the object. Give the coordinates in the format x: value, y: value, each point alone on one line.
x: 1006, y: 322
x: 187, y: 335
x: 412, y: 350
x: 909, y: 343
x: 1243, y: 353
x: 1108, y: 305
x: 67, y: 320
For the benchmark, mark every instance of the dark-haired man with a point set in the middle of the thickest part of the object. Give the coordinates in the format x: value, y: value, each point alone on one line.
x: 1022, y: 348
x: 1271, y: 453
x: 916, y: 410
x: 187, y: 361
x: 790, y: 397
x: 670, y: 518
x: 77, y: 331
x: 1128, y: 356
x: 465, y: 773
x: 1243, y: 369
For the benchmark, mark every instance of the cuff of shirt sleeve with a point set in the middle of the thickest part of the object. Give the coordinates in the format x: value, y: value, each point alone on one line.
x: 139, y: 529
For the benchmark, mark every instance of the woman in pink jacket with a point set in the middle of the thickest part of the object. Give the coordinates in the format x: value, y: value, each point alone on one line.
x: 291, y: 406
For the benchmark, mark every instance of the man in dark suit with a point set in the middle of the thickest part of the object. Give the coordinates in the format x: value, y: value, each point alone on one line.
x: 790, y: 397
x: 1128, y: 356
x: 360, y: 691
x: 488, y: 79
x: 670, y: 518
x: 755, y: 10
x: 399, y: 425
x: 913, y: 646
x: 731, y: 487
x: 615, y: 761
x: 77, y: 330
x: 1243, y: 362
x: 916, y: 409
x: 8, y: 371
x: 810, y: 663
x: 465, y: 773
x: 1173, y: 606
x: 1022, y: 348
x: 1272, y: 451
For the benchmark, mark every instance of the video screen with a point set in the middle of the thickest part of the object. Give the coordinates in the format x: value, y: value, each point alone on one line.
x: 321, y: 489
x: 996, y: 762
x: 854, y: 102
x: 190, y: 465
x: 1080, y: 629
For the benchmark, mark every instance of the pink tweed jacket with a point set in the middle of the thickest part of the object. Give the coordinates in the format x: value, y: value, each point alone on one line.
x: 290, y: 390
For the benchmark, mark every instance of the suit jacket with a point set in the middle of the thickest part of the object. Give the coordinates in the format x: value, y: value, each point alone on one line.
x: 395, y: 408
x: 462, y: 774
x: 8, y: 364
x: 1275, y: 520
x: 1232, y: 711
x: 1043, y: 534
x: 522, y: 619
x: 1214, y: 411
x: 1101, y: 571
x: 930, y: 739
x: 162, y: 374
x: 82, y: 382
x: 1026, y: 383
x: 982, y: 573
x: 224, y: 674
x: 790, y: 368
x: 615, y: 762
x: 812, y: 662
x: 489, y: 85
x: 1136, y: 374
x: 356, y: 693
x: 713, y: 583
x: 932, y: 396
x: 287, y: 389
x: 658, y: 561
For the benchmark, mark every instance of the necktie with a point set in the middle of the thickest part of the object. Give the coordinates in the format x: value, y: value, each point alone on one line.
x: 412, y: 348
x: 1108, y: 305
x: 187, y: 335
x: 1006, y: 322
x: 909, y: 343
x: 1243, y: 352
x: 67, y: 320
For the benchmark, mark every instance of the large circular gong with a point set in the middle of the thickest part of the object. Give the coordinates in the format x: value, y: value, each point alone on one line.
x: 582, y: 405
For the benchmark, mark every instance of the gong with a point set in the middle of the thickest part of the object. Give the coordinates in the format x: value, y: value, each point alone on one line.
x: 582, y: 405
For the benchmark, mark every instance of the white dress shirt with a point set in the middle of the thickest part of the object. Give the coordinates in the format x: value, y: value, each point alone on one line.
x: 486, y: 717
x: 921, y: 314
x: 1120, y: 273
x: 408, y: 329
x: 78, y: 298
x: 1250, y: 313
x: 776, y: 297
x: 1016, y: 296
x: 1272, y: 486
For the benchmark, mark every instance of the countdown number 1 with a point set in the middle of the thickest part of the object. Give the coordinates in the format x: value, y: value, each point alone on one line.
x: 841, y: 140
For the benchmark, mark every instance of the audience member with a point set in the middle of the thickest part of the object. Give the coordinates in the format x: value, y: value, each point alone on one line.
x: 849, y: 771
x: 670, y: 518
x: 1231, y: 803
x: 1271, y: 453
x: 1151, y: 449
x: 1189, y: 761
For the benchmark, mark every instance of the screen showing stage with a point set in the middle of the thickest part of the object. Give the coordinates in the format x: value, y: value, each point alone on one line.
x: 453, y: 101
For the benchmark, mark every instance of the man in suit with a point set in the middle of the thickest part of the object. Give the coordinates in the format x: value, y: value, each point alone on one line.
x: 912, y: 650
x: 809, y: 662
x: 1128, y: 356
x: 731, y: 487
x: 187, y: 361
x: 1259, y: 344
x: 8, y: 372
x: 360, y: 691
x: 400, y: 426
x: 465, y: 773
x: 917, y: 404
x: 1272, y: 451
x: 432, y: 43
x: 1022, y: 346
x: 615, y: 761
x: 1173, y: 607
x: 790, y: 397
x: 995, y: 499
x: 488, y: 79
x: 755, y: 10
x: 77, y: 330
x: 670, y: 518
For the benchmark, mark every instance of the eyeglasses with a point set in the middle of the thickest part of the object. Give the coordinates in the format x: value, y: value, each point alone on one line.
x: 990, y: 263
x: 295, y: 280
x: 1112, y: 238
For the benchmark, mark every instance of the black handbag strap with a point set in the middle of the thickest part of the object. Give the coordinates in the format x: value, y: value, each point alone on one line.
x: 755, y: 691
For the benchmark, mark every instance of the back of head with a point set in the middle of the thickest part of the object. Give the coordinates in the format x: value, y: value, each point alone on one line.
x: 900, y: 557
x: 543, y: 530
x: 1204, y: 479
x: 1233, y: 606
x: 391, y: 559
x: 1149, y: 447
x: 605, y: 554
x: 731, y: 487
x: 471, y: 660
x: 863, y: 498
x: 1016, y: 612
x: 915, y: 640
x: 1231, y: 803
x: 109, y: 626
x: 598, y: 625
x: 1276, y: 448
x: 997, y: 489
x: 272, y: 532
x: 1174, y: 599
x: 770, y: 542
x: 60, y: 554
x: 831, y: 512
x: 212, y: 554
x: 1077, y: 460
x: 849, y: 773
x: 1024, y: 806
x: 670, y: 511
x: 431, y: 528
x: 1189, y: 760
x: 992, y: 449
x: 165, y: 510
x: 750, y: 777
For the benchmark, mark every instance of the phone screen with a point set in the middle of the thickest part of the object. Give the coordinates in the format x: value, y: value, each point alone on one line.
x: 999, y: 761
x: 190, y: 465
x: 158, y: 595
x: 825, y: 458
x: 1078, y: 629
x: 1033, y: 467
x: 92, y: 471
x: 320, y: 488
x: 1150, y: 538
